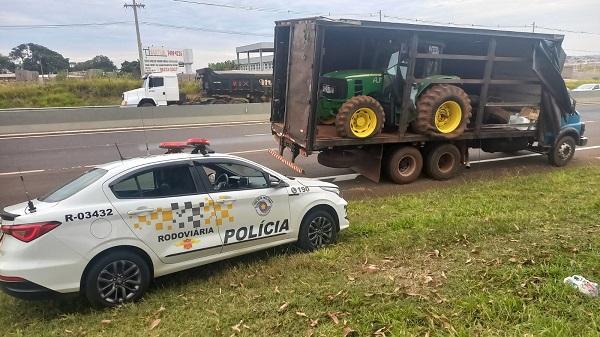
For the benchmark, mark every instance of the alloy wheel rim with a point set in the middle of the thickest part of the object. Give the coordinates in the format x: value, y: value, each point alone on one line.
x: 320, y: 231
x: 119, y: 281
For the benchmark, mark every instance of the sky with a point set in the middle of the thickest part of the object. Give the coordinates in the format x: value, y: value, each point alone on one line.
x: 118, y: 41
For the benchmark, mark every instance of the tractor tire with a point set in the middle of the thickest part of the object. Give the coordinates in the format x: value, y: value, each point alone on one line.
x: 404, y: 165
x: 443, y: 162
x: 435, y: 104
x: 360, y: 117
x: 496, y: 115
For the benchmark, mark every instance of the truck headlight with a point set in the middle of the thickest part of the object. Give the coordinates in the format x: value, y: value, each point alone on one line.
x: 328, y: 89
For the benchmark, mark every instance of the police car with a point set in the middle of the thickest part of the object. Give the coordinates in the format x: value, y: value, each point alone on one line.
x: 109, y: 232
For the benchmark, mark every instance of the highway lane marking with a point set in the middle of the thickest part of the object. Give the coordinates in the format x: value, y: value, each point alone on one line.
x: 257, y: 134
x: 338, y: 178
x: 529, y: 155
x: 21, y: 172
x: 504, y: 158
x: 127, y: 129
x: 248, y: 151
x: 342, y: 177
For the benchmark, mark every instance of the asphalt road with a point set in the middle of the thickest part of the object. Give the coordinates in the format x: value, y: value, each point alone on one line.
x: 49, y: 160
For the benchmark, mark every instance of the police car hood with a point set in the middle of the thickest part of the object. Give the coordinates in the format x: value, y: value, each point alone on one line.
x: 308, y: 182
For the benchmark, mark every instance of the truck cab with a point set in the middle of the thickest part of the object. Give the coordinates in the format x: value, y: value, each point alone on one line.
x: 159, y: 89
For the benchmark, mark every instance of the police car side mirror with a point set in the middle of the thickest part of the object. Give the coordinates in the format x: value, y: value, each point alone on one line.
x: 275, y: 182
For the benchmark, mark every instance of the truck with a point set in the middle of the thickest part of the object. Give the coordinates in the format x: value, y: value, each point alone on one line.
x: 398, y: 99
x: 216, y: 87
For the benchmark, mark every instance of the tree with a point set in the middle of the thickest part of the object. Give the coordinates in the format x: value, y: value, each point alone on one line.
x: 30, y: 55
x: 227, y: 65
x: 6, y: 64
x: 98, y: 62
x: 132, y: 67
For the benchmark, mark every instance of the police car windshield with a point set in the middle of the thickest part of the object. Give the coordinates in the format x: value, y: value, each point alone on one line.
x: 73, y: 186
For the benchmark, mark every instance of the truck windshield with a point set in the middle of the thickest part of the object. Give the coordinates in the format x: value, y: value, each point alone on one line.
x: 73, y: 186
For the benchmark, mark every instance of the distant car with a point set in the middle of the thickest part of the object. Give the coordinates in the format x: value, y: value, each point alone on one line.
x: 588, y: 87
x: 109, y: 232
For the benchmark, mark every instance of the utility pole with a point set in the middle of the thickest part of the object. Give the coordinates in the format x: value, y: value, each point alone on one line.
x: 137, y: 32
x: 533, y: 27
x: 380, y: 15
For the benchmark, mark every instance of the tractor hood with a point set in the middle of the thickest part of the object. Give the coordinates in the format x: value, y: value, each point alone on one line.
x: 354, y: 73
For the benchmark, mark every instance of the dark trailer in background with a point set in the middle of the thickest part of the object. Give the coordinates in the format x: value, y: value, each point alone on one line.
x: 497, y: 69
x: 252, y: 86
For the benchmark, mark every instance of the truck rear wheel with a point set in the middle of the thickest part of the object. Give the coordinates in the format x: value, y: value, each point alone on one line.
x: 405, y: 165
x: 443, y: 162
x: 443, y: 110
x: 360, y: 117
x: 562, y: 152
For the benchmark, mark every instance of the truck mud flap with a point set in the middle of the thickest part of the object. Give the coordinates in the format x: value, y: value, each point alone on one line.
x: 286, y: 162
x: 369, y: 164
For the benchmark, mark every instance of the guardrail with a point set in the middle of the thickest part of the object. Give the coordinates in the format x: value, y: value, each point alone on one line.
x: 89, y: 118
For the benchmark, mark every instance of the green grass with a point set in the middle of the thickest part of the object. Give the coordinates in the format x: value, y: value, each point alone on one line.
x: 482, y: 258
x: 75, y: 92
x: 67, y: 92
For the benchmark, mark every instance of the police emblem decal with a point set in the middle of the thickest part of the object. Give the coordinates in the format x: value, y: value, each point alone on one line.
x: 262, y: 205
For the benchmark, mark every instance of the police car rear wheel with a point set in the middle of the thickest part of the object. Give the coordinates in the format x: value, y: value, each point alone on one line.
x: 318, y: 229
x: 117, y: 278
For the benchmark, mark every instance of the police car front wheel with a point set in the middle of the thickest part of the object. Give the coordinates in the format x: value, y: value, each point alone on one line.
x: 116, y: 278
x: 318, y: 229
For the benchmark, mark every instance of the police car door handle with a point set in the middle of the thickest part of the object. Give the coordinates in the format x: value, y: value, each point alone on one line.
x: 141, y: 210
x: 222, y: 201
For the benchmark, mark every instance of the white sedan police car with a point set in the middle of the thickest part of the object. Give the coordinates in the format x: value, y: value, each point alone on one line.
x: 109, y: 232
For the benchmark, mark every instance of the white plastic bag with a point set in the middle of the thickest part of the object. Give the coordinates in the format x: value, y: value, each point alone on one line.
x: 584, y: 286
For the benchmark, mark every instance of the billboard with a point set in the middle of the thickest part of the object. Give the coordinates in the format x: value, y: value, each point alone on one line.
x: 160, y: 59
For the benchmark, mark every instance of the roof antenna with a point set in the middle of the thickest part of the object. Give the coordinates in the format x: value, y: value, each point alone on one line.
x: 119, y: 151
x: 30, y: 205
x: 144, y: 132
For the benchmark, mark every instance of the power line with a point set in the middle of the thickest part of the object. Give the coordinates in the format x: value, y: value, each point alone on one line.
x: 204, y: 29
x: 526, y: 26
x: 66, y: 25
x: 74, y: 25
x: 567, y: 30
x: 247, y: 8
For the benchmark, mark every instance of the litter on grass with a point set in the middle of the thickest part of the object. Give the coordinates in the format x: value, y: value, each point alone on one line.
x: 584, y: 286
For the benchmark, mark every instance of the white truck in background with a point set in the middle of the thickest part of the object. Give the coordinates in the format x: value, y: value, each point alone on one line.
x: 215, y: 87
x: 159, y: 89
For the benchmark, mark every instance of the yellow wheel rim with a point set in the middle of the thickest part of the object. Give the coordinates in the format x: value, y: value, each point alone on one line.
x: 363, y: 122
x: 448, y: 117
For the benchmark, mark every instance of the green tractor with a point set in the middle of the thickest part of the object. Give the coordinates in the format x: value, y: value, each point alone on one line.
x: 358, y: 101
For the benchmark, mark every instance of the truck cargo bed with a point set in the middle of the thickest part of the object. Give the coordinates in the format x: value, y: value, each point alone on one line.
x: 326, y: 136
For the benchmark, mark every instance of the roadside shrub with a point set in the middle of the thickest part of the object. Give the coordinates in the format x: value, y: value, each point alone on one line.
x: 66, y: 92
